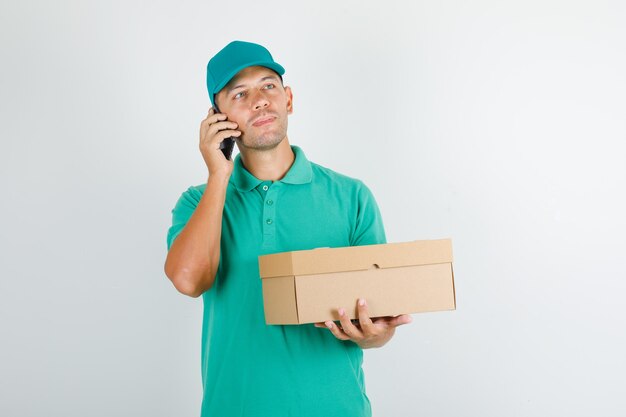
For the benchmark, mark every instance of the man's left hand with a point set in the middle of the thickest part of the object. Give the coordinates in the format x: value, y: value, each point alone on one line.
x: 367, y: 333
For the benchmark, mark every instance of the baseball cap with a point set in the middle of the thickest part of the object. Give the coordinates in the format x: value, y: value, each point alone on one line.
x: 234, y: 57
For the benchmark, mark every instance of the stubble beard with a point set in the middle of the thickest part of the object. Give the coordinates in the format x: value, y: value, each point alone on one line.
x: 264, y: 141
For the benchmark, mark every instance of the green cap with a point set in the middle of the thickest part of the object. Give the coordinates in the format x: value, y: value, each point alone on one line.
x: 236, y: 56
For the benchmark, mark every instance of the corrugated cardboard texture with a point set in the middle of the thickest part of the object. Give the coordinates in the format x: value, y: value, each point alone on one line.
x: 395, y: 278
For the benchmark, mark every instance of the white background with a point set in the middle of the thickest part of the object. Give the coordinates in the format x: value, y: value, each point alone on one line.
x: 498, y: 124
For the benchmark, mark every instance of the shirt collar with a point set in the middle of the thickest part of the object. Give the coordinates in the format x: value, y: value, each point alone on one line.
x: 300, y: 172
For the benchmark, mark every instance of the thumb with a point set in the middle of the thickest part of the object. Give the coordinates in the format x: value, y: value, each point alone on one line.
x: 400, y: 320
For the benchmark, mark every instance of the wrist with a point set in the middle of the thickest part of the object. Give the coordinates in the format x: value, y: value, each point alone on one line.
x: 221, y: 176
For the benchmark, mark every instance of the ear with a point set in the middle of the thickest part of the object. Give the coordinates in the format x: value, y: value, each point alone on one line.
x: 289, y: 100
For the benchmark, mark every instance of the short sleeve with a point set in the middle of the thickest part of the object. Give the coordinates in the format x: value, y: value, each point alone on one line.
x: 181, y: 213
x: 369, y: 228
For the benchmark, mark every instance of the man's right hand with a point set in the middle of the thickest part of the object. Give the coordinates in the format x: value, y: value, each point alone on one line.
x: 213, y: 130
x: 194, y: 256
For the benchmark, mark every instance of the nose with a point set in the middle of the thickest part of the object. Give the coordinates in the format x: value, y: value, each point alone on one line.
x: 260, y: 101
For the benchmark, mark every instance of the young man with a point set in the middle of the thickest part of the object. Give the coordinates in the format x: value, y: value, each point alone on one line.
x: 270, y: 199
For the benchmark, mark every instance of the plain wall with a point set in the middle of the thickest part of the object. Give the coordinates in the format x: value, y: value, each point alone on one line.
x: 498, y: 124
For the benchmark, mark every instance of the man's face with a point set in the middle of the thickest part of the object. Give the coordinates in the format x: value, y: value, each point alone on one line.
x: 256, y: 100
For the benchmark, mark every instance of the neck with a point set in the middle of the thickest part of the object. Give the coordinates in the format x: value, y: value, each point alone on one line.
x: 269, y: 164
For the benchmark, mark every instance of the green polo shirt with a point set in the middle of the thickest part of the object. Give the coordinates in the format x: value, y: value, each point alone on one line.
x: 250, y: 369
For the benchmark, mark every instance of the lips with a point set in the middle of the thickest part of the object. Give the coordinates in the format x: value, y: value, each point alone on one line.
x: 264, y: 120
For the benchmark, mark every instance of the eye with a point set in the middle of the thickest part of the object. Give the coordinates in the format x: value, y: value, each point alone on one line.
x: 239, y: 94
x: 268, y: 86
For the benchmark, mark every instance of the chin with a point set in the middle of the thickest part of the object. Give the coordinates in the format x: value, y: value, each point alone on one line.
x: 263, y: 143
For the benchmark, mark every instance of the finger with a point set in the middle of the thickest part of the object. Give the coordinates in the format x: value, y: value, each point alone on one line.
x: 211, y: 112
x: 214, y: 135
x: 336, y: 331
x: 209, y: 129
x: 216, y: 140
x: 219, y: 126
x: 210, y: 121
x: 213, y: 118
x: 219, y: 136
x: 367, y: 326
x: 223, y: 124
x: 347, y: 326
x: 400, y: 320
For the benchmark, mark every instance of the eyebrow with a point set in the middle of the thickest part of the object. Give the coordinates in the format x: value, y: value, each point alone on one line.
x: 269, y: 77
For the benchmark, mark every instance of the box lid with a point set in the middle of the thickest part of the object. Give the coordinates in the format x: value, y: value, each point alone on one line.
x: 355, y: 258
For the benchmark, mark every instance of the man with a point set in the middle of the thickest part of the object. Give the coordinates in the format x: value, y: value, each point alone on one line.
x: 270, y: 199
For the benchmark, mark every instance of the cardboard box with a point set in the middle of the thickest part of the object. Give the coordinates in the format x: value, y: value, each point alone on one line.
x: 395, y: 278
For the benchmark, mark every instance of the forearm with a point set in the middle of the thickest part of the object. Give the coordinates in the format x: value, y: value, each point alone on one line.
x: 194, y: 256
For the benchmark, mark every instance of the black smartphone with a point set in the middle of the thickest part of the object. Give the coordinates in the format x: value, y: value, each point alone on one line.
x: 228, y: 144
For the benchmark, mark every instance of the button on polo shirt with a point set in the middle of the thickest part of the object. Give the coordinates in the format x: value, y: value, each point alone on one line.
x: 264, y: 189
x: 248, y: 367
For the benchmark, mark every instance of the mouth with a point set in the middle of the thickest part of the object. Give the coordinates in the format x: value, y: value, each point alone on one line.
x: 264, y: 120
